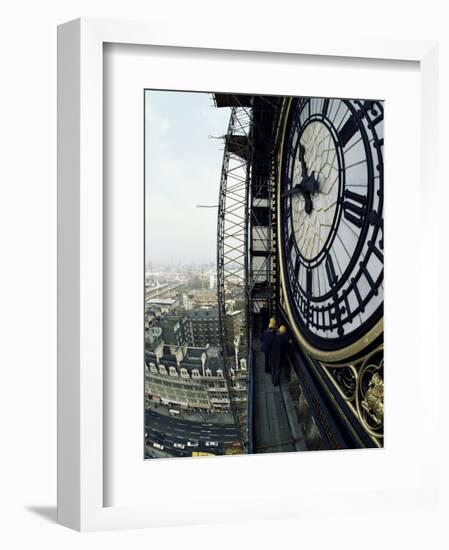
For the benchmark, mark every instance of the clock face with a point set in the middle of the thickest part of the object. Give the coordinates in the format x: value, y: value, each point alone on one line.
x: 331, y: 214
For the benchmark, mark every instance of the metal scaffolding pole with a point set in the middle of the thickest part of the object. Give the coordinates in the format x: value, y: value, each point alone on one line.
x: 232, y: 257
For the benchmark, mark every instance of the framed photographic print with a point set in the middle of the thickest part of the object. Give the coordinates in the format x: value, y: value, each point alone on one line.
x: 226, y: 290
x: 267, y: 334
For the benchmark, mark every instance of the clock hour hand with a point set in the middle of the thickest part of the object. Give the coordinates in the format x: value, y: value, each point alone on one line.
x: 302, y: 151
x: 301, y: 188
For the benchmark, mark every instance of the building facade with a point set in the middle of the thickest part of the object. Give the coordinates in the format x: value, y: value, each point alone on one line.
x: 203, y: 327
x: 186, y: 378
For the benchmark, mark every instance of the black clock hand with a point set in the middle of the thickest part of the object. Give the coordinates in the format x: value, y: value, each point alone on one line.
x: 302, y: 151
x: 307, y: 185
x: 310, y: 184
x: 299, y: 188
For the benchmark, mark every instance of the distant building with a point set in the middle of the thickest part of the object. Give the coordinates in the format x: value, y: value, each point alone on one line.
x: 212, y: 281
x: 233, y: 320
x: 204, y: 327
x: 153, y: 337
x: 198, y: 327
x: 187, y: 377
x: 199, y: 298
x: 175, y: 328
x: 161, y: 305
x: 162, y: 290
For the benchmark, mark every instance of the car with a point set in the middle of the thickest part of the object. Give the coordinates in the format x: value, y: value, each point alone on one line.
x: 179, y: 445
x: 193, y: 443
x: 157, y: 445
x: 162, y: 435
x: 211, y: 443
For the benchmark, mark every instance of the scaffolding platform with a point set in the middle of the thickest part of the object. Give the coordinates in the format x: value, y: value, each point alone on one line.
x: 275, y: 427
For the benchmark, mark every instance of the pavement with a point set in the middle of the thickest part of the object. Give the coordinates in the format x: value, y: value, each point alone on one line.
x: 168, y: 430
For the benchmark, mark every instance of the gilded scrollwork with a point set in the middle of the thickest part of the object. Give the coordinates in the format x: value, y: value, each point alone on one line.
x: 361, y: 384
x: 346, y: 378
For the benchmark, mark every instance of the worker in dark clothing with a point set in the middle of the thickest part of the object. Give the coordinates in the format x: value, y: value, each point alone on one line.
x: 268, y: 337
x: 278, y: 356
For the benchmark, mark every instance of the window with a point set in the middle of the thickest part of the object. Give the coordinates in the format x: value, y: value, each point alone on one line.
x: 153, y: 367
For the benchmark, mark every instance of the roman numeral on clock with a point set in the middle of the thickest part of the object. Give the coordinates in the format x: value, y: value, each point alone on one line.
x: 297, y: 264
x: 309, y: 282
x: 325, y: 106
x: 348, y: 131
x: 354, y: 207
x: 330, y: 271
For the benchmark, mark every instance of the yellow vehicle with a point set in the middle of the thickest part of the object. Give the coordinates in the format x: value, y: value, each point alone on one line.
x: 233, y: 451
x: 199, y: 453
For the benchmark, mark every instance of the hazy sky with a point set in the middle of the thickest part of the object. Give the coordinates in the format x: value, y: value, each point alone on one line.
x: 183, y: 168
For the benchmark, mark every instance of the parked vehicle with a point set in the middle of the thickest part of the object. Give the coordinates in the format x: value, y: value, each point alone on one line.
x: 211, y: 443
x: 200, y: 453
x: 158, y: 446
x: 193, y: 443
x: 179, y: 445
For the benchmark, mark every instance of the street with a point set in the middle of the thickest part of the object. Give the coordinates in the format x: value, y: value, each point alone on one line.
x: 167, y: 431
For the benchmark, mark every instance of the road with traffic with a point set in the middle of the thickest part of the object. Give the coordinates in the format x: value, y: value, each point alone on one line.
x: 206, y: 436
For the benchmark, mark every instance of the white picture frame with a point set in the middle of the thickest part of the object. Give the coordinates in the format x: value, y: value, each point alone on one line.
x: 80, y: 260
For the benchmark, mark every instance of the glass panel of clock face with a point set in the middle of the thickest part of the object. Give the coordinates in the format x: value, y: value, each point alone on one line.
x: 331, y: 208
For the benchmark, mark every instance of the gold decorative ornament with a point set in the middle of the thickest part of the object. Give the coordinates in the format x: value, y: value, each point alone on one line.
x: 373, y: 403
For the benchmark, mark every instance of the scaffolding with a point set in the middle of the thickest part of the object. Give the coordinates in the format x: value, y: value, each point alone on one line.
x: 232, y: 256
x: 245, y: 246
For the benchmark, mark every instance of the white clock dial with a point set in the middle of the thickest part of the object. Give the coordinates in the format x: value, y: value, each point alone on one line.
x: 331, y: 193
x: 312, y: 230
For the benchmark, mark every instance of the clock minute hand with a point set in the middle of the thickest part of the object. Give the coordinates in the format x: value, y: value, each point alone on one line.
x: 308, y: 186
x: 293, y: 191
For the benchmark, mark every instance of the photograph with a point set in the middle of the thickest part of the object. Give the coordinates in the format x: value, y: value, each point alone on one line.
x: 264, y: 255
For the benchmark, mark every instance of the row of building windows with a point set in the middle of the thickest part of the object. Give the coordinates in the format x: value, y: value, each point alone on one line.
x: 181, y: 384
x: 167, y: 384
x: 161, y: 369
x: 160, y: 389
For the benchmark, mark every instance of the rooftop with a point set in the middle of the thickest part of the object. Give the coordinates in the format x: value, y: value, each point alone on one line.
x: 161, y: 301
x: 209, y: 313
